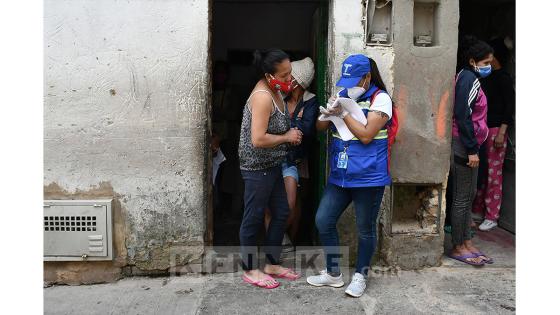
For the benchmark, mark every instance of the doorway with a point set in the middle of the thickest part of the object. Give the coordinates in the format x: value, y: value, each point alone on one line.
x: 492, y: 21
x: 238, y: 27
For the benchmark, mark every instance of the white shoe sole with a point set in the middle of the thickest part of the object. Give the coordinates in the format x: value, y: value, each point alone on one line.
x: 487, y: 229
x: 334, y: 285
x: 353, y: 295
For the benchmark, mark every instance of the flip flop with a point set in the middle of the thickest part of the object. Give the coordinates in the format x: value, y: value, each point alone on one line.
x: 488, y: 261
x: 287, y: 274
x: 261, y: 283
x: 465, y: 257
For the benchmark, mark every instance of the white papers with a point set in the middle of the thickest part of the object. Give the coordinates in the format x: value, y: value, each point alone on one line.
x: 343, y: 131
x: 216, y: 161
x: 353, y: 109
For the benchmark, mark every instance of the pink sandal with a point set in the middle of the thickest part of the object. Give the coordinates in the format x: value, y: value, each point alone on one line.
x: 287, y: 274
x: 261, y: 283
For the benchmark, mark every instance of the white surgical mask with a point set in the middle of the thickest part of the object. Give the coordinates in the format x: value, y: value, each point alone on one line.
x: 357, y: 91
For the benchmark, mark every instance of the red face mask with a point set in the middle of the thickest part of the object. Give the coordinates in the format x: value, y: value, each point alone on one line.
x: 278, y: 85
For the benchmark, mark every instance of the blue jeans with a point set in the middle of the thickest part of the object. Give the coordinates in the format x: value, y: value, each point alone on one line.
x: 263, y: 189
x: 335, y: 200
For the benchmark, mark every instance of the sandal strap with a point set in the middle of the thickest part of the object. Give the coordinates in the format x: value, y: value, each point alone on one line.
x: 261, y: 283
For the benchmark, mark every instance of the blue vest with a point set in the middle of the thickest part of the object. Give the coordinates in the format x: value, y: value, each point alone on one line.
x: 367, y: 163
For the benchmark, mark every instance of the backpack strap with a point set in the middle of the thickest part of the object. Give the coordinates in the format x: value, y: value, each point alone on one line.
x: 374, y: 95
x: 392, y: 127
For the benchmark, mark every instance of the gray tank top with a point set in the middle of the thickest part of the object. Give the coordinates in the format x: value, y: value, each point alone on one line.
x: 253, y: 159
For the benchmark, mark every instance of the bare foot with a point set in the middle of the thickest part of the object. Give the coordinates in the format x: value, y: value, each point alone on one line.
x: 463, y: 251
x: 470, y: 247
x: 278, y: 269
x: 256, y: 275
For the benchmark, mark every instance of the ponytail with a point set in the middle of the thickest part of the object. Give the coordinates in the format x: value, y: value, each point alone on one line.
x: 392, y: 125
x: 265, y: 61
x: 375, y: 75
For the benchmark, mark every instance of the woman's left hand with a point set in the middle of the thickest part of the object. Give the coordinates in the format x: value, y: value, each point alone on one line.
x: 499, y: 141
x: 337, y: 111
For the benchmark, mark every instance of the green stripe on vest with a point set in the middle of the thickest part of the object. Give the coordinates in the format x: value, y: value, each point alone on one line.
x: 382, y: 134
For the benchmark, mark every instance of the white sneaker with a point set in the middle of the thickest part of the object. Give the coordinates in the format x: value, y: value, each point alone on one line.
x: 358, y: 285
x: 487, y: 225
x: 323, y: 278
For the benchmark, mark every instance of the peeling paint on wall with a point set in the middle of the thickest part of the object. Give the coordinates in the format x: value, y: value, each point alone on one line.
x: 126, y: 104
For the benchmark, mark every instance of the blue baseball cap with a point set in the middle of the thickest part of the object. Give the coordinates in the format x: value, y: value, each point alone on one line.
x: 353, y: 69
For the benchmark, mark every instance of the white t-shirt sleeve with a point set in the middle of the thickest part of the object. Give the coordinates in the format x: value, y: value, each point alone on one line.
x: 382, y: 103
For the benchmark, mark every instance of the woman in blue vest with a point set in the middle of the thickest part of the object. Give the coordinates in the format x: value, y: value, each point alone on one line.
x: 358, y: 170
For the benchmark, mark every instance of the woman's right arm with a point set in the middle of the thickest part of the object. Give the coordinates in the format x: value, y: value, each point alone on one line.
x: 466, y: 92
x: 261, y: 106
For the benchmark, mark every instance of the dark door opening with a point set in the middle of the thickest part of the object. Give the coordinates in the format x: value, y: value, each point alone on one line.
x: 491, y: 21
x: 238, y: 28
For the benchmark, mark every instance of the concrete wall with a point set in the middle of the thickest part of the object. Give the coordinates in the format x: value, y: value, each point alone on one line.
x: 420, y: 80
x: 126, y: 117
x: 424, y: 94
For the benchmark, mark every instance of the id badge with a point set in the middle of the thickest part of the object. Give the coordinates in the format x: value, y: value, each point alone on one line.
x: 342, y: 160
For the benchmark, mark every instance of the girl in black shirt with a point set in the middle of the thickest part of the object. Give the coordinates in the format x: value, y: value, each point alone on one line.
x: 498, y: 87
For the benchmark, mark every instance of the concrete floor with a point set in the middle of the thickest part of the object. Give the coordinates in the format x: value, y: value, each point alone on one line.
x: 453, y: 288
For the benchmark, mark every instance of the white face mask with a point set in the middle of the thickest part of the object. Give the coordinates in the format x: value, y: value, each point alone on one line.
x: 357, y: 91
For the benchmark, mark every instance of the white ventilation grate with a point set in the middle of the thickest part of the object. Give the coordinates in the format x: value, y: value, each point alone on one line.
x: 70, y: 223
x: 77, y: 230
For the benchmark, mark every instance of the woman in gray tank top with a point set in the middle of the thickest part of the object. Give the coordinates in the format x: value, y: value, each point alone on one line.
x: 265, y: 135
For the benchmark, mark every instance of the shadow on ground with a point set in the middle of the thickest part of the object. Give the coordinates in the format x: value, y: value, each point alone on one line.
x: 452, y: 288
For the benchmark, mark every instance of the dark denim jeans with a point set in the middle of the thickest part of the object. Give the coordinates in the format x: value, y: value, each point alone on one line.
x: 263, y: 189
x: 335, y: 200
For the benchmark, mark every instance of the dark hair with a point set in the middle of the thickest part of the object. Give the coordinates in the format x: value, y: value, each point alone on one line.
x: 501, y: 52
x: 472, y: 47
x: 265, y: 61
x: 375, y: 75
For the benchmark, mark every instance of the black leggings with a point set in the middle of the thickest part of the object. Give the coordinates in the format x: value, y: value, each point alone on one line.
x: 463, y: 180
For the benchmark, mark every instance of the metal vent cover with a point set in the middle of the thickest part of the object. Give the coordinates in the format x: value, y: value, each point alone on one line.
x: 77, y: 230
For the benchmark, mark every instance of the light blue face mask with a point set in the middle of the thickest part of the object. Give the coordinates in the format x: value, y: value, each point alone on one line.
x: 484, y: 71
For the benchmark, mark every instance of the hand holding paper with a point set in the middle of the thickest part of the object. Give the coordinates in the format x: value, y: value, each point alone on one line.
x: 351, y: 107
x: 334, y: 111
x: 337, y: 110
